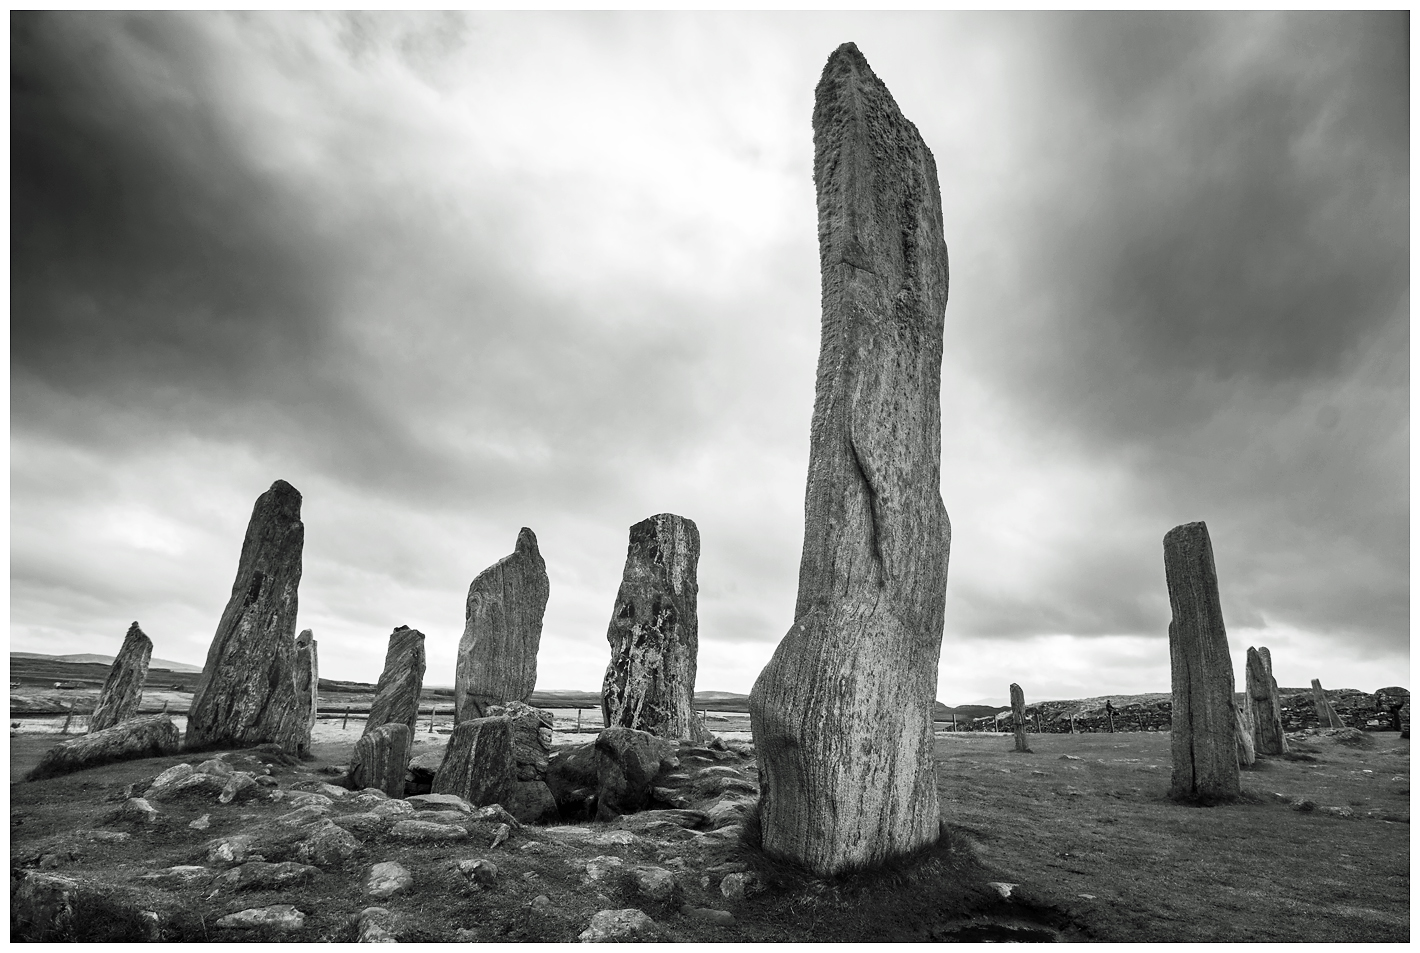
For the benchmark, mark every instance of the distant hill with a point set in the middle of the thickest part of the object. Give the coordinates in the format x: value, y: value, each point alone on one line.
x: 91, y: 659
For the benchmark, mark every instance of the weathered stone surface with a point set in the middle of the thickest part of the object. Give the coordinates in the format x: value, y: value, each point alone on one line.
x: 376, y: 925
x: 282, y: 916
x: 426, y: 831
x: 478, y: 762
x: 617, y: 926
x: 307, y: 675
x: 247, y: 693
x: 627, y: 763
x: 1204, y: 733
x: 147, y: 737
x: 1018, y: 710
x: 259, y: 874
x: 497, y: 660
x: 123, y: 689
x: 381, y: 758
x: 842, y: 714
x: 532, y: 738
x: 655, y: 883
x: 1263, y: 705
x: 650, y: 680
x: 480, y: 871
x: 1324, y: 712
x: 440, y: 802
x: 387, y: 879
x: 327, y: 846
x: 572, y: 778
x: 1247, y: 750
x: 531, y: 802
x: 397, y: 694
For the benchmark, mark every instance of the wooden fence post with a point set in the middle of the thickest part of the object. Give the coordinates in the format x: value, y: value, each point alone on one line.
x: 344, y: 720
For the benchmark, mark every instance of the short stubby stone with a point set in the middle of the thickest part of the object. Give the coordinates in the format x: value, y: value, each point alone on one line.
x: 842, y: 714
x: 387, y: 879
x: 478, y: 762
x: 122, y: 692
x: 654, y: 632
x: 497, y: 656
x: 149, y: 737
x: 282, y: 916
x: 617, y: 926
x: 531, y: 802
x: 247, y: 692
x: 655, y: 883
x: 627, y: 763
x: 232, y: 849
x: 396, y: 696
x: 480, y: 871
x: 381, y: 758
x: 327, y: 846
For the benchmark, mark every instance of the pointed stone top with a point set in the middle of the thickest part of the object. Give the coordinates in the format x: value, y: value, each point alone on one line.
x: 527, y: 541
x: 305, y: 637
x: 134, y: 629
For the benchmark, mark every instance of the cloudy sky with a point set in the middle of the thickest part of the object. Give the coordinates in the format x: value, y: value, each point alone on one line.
x: 454, y: 274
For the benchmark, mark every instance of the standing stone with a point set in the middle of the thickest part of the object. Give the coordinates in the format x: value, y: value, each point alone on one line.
x: 842, y: 714
x: 1018, y: 715
x: 1325, y: 715
x: 1264, y: 708
x: 650, y: 681
x: 381, y: 758
x: 497, y: 660
x: 123, y: 689
x: 307, y: 686
x: 397, y: 694
x: 1204, y: 732
x: 1246, y: 747
x: 478, y: 764
x: 247, y: 693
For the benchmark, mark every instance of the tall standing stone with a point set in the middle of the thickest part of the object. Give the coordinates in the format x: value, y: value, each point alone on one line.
x: 842, y: 714
x: 1205, y: 724
x: 1325, y: 715
x: 123, y: 689
x: 497, y: 661
x: 247, y: 693
x: 650, y: 681
x: 396, y: 696
x: 1018, y: 715
x: 1264, y: 707
x: 307, y: 685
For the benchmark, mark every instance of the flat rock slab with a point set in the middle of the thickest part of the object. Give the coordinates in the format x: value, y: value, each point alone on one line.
x: 150, y: 737
x: 282, y: 916
x: 618, y: 926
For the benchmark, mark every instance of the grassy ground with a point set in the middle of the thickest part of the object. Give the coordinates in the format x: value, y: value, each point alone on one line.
x: 1093, y: 844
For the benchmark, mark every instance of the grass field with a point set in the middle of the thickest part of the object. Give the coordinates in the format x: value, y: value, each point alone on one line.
x: 1081, y: 826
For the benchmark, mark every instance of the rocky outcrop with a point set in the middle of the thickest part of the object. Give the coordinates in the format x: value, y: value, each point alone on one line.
x: 397, y: 694
x: 123, y: 689
x: 842, y: 714
x: 147, y: 737
x: 381, y: 758
x: 1018, y: 714
x: 1205, y: 724
x: 572, y: 779
x: 247, y: 693
x: 478, y: 763
x: 307, y: 687
x: 1325, y: 714
x: 497, y: 660
x: 627, y: 763
x: 1264, y: 708
x: 650, y: 680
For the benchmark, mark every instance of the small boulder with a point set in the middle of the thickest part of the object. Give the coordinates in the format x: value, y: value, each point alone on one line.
x: 138, y: 809
x: 230, y: 850
x: 328, y: 846
x: 202, y: 823
x: 532, y: 802
x: 307, y: 798
x: 387, y: 879
x: 709, y: 915
x: 482, y: 872
x: 365, y: 823
x: 376, y: 925
x: 599, y: 868
x: 618, y: 926
x: 440, y: 802
x: 393, y: 808
x: 655, y: 883
x: 258, y: 874
x: 282, y: 916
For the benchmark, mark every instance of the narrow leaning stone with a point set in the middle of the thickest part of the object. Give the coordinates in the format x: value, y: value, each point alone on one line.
x: 1325, y: 714
x: 1204, y: 733
x: 307, y: 686
x: 842, y: 714
x: 1263, y: 705
x: 381, y: 758
x: 650, y: 680
x: 247, y: 693
x: 123, y: 689
x: 497, y: 660
x: 1018, y: 713
x: 478, y: 764
x: 397, y: 694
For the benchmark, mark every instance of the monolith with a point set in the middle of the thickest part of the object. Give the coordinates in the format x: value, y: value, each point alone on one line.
x: 307, y: 686
x: 247, y: 693
x: 397, y: 693
x: 1264, y: 707
x: 381, y: 757
x: 842, y: 714
x: 1246, y: 746
x: 478, y: 763
x: 1325, y: 715
x: 497, y: 660
x: 654, y: 633
x: 1204, y: 733
x: 1018, y: 716
x: 123, y: 689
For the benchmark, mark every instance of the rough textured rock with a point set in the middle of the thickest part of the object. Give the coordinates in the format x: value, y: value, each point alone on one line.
x: 147, y: 737
x: 531, y: 802
x: 397, y: 694
x: 1246, y: 747
x: 650, y: 681
x: 1325, y: 714
x: 572, y: 778
x: 478, y: 762
x: 842, y: 714
x: 617, y: 926
x: 123, y: 689
x: 381, y: 758
x: 282, y: 916
x: 261, y: 875
x: 426, y: 831
x: 247, y: 693
x: 532, y: 738
x: 627, y: 763
x: 387, y: 879
x: 1263, y: 705
x: 1203, y: 739
x: 376, y: 925
x: 1018, y: 710
x: 480, y: 871
x: 497, y: 660
x: 307, y: 675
